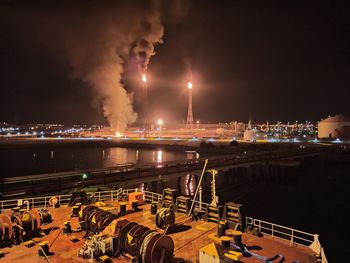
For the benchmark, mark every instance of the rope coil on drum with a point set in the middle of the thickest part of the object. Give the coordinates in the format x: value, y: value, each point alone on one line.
x: 137, y: 240
x: 93, y: 219
x: 165, y: 217
x: 5, y: 228
x: 145, y: 243
x: 22, y: 225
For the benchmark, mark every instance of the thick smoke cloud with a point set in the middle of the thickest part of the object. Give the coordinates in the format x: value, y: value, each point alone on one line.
x: 97, y: 53
x: 95, y: 40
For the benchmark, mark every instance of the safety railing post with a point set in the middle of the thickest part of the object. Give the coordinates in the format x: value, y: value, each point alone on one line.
x: 259, y: 226
x: 272, y: 230
x: 292, y: 238
x: 316, y: 245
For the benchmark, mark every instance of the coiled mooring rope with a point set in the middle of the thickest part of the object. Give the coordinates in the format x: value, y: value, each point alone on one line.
x: 144, y: 245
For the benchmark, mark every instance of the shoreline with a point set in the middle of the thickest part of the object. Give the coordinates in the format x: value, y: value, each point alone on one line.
x: 213, y: 147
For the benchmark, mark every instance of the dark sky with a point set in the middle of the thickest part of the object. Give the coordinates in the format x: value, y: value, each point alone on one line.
x: 259, y: 60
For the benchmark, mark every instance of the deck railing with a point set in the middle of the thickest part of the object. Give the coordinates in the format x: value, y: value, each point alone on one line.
x: 44, y: 201
x: 293, y: 236
x: 203, y: 206
x: 323, y: 256
x: 152, y: 197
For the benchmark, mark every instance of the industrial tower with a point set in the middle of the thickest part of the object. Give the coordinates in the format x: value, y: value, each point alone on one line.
x: 189, y: 123
x: 144, y: 99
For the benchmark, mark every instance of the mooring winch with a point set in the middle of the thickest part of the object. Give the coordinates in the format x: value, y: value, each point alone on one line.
x: 165, y: 218
x: 122, y: 236
x: 22, y: 225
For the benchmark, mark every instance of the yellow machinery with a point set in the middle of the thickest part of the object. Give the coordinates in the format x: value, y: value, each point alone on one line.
x: 220, y: 250
x: 215, y: 253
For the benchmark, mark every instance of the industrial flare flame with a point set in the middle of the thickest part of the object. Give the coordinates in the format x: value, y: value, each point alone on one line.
x: 189, y: 85
x: 144, y: 79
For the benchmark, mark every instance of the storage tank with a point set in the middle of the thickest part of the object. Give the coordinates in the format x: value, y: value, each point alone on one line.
x: 337, y: 126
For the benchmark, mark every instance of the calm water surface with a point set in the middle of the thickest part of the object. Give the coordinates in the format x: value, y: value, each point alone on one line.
x: 18, y: 162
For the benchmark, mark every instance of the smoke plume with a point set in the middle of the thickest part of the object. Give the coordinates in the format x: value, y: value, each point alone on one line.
x: 95, y: 39
x: 98, y: 53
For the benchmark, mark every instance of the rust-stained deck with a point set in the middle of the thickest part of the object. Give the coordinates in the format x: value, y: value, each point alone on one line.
x: 189, y: 236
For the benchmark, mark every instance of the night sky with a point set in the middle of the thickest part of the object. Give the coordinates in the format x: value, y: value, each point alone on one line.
x: 258, y: 60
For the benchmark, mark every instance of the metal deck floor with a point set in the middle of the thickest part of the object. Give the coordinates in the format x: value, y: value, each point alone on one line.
x: 189, y: 236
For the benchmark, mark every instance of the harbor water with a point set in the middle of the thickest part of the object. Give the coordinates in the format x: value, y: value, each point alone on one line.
x: 28, y: 161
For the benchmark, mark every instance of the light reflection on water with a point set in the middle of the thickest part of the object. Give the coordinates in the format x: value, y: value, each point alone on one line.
x: 159, y: 156
x: 45, y: 160
x: 116, y: 155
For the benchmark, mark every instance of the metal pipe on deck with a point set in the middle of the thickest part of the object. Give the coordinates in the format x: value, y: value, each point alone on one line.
x: 199, y: 184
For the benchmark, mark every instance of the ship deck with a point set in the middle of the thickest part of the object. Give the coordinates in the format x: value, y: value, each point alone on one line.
x: 188, y: 236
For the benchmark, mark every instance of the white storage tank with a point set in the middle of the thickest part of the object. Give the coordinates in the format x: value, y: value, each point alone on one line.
x: 337, y: 126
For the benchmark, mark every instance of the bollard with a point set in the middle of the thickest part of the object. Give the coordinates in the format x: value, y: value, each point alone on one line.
x: 225, y: 242
x: 134, y: 205
x: 221, y: 228
x: 122, y: 207
x: 154, y: 208
x: 43, y: 248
